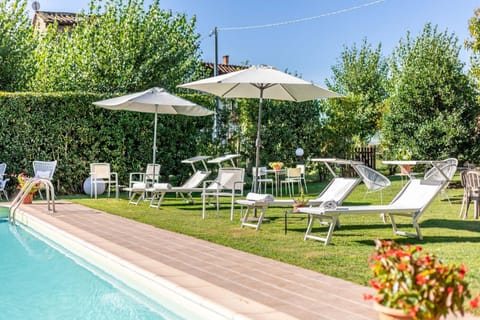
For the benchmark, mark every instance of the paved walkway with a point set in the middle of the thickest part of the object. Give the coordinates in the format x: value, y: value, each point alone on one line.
x: 249, y: 285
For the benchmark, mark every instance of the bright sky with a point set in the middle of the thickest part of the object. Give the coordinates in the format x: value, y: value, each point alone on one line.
x: 309, y: 47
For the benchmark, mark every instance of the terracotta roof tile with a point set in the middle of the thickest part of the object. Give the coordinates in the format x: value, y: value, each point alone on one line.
x: 63, y: 18
x: 224, y: 68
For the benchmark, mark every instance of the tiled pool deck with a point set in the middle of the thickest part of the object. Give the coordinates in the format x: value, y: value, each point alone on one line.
x: 251, y: 286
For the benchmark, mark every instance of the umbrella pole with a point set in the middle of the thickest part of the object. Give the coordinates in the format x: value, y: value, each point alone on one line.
x: 257, y: 145
x: 155, y: 140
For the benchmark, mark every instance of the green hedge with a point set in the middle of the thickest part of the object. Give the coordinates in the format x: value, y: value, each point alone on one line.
x: 68, y: 128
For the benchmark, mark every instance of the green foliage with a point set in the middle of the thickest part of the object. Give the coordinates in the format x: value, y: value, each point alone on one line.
x: 117, y: 47
x: 286, y: 126
x: 432, y: 106
x: 474, y: 44
x: 68, y: 128
x: 360, y: 75
x: 15, y: 44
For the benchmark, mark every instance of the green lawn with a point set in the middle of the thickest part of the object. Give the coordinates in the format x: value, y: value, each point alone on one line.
x: 445, y: 234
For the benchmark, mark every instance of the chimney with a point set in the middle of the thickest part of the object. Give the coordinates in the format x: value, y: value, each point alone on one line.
x: 225, y: 59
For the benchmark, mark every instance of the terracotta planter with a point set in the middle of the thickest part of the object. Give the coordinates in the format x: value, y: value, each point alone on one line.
x: 277, y: 167
x: 296, y: 206
x: 28, y: 199
x: 385, y: 313
x: 405, y: 169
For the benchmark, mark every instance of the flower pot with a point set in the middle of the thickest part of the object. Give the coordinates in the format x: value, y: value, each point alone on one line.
x: 405, y: 169
x: 386, y: 313
x: 28, y: 199
x: 277, y: 167
x: 296, y: 206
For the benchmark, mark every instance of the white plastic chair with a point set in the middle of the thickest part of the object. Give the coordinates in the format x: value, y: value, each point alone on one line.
x: 302, y: 176
x: 3, y: 181
x: 100, y: 174
x: 444, y: 170
x: 294, y: 176
x: 44, y: 170
x: 261, y: 179
x: 229, y: 183
x: 149, y: 177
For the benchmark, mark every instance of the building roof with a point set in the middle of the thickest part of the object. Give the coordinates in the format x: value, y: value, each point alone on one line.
x: 224, y: 68
x: 62, y: 18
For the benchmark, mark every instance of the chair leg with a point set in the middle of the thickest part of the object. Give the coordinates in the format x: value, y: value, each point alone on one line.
x: 204, y: 196
x: 464, y: 200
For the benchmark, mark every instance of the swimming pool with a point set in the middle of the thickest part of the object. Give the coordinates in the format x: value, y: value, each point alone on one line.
x: 41, y: 280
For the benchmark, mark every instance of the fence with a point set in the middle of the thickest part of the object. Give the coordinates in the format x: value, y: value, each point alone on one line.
x: 366, y: 155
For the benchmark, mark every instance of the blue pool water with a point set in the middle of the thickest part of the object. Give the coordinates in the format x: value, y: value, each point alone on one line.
x: 39, y: 280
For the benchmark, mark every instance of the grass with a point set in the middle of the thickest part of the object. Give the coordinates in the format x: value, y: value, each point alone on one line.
x: 454, y: 240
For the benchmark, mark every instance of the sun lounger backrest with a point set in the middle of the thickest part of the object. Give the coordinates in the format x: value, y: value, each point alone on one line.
x: 338, y: 189
x: 196, y: 179
x: 417, y: 194
x: 228, y: 179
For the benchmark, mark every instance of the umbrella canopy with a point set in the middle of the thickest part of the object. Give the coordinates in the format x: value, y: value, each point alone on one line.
x: 157, y: 101
x: 261, y: 82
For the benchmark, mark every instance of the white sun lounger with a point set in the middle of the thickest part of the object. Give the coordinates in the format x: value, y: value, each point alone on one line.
x: 411, y: 201
x: 337, y: 190
x: 191, y: 185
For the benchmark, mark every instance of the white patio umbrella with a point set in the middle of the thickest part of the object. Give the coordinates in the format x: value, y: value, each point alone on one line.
x: 261, y: 82
x: 157, y: 101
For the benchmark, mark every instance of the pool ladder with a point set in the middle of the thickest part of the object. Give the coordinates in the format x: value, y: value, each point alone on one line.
x: 26, y: 189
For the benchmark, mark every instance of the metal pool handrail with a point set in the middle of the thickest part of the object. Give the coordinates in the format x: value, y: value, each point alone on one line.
x: 26, y: 189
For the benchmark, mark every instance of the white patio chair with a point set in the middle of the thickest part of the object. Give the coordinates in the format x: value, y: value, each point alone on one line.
x: 3, y: 181
x: 229, y: 183
x: 149, y: 177
x: 100, y: 173
x: 294, y: 176
x: 466, y: 191
x: 471, y: 192
x: 444, y: 170
x: 44, y: 170
x: 261, y: 179
x: 302, y: 176
x: 373, y: 180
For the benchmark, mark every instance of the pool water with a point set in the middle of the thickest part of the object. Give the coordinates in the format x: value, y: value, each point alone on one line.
x: 40, y: 280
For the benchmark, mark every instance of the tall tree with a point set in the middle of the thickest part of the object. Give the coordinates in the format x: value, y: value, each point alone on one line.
x: 360, y: 74
x: 117, y: 47
x: 474, y: 44
x: 432, y: 109
x: 15, y: 44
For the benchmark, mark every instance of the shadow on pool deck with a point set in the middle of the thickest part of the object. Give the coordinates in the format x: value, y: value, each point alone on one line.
x: 250, y: 286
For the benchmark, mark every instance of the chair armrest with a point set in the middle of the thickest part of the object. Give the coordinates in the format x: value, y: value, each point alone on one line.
x: 134, y: 175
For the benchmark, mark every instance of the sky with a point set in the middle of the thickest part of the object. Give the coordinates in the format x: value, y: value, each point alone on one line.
x: 307, y: 37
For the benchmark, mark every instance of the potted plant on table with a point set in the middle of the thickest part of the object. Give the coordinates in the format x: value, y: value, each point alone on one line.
x: 276, y: 165
x: 413, y: 284
x: 405, y: 154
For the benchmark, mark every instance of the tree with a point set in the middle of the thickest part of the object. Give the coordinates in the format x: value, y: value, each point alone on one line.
x: 360, y: 75
x: 474, y: 44
x: 15, y: 44
x: 432, y: 109
x: 118, y: 47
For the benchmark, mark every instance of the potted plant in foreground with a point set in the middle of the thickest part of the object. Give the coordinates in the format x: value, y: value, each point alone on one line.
x: 414, y: 284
